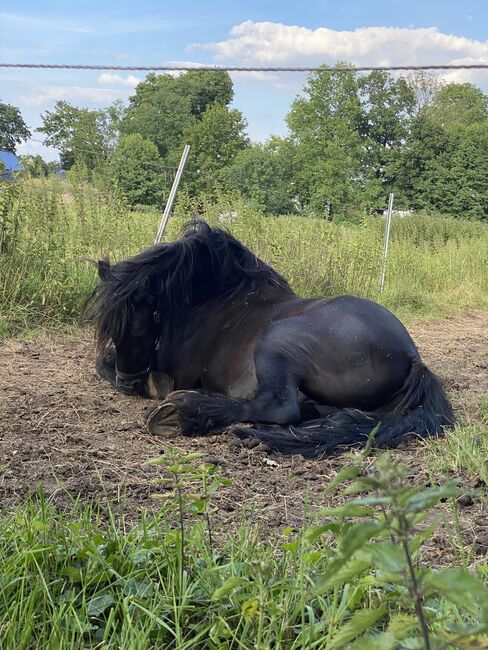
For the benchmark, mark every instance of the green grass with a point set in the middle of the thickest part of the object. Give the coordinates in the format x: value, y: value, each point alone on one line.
x: 80, y: 579
x: 50, y: 230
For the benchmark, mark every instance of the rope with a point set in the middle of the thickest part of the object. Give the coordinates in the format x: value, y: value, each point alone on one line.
x: 165, y: 68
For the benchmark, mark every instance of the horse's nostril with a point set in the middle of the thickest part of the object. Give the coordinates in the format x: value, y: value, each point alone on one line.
x: 130, y: 386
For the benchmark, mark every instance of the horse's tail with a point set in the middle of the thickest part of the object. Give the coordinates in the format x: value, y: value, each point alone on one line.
x: 423, y: 410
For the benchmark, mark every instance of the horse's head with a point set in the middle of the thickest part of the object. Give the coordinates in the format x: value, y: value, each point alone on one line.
x: 125, y: 311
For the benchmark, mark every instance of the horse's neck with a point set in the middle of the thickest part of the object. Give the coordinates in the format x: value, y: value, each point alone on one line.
x: 208, y: 323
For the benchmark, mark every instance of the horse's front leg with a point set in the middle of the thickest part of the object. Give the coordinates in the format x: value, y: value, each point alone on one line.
x: 195, y: 413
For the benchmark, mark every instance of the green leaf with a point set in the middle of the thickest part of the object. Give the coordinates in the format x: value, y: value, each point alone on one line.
x: 99, y: 604
x: 363, y: 484
x: 358, y: 534
x: 431, y: 496
x: 228, y: 586
x: 455, y: 582
x: 402, y: 624
x: 384, y: 641
x: 250, y: 608
x: 314, y: 532
x: 385, y: 555
x: 350, y: 509
x: 416, y: 542
x: 138, y: 588
x: 359, y: 622
x: 73, y: 573
x: 340, y: 576
x: 346, y: 474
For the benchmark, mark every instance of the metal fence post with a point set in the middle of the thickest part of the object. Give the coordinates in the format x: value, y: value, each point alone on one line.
x: 172, y: 194
x: 387, y: 239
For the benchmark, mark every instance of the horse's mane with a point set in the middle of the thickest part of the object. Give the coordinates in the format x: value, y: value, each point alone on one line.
x: 204, y: 265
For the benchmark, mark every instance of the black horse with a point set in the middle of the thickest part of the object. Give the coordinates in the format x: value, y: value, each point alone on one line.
x: 205, y: 316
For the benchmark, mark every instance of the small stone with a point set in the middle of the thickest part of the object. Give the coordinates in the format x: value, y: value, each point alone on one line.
x: 465, y: 500
x: 213, y: 460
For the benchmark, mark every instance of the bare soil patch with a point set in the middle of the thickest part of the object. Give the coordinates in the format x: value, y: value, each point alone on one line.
x: 63, y: 427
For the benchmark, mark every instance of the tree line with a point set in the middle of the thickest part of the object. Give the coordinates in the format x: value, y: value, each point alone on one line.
x: 352, y: 139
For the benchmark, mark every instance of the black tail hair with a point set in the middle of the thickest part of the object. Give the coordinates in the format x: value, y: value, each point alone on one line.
x: 424, y: 410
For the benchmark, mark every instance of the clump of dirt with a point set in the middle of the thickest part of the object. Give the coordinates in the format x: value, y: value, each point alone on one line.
x: 65, y: 428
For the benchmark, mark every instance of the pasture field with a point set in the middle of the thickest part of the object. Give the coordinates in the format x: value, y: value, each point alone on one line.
x: 235, y: 548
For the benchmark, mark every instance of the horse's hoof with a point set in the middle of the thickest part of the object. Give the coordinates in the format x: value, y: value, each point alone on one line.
x: 163, y: 421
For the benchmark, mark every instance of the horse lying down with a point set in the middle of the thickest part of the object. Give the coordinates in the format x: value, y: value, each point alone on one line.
x: 207, y: 325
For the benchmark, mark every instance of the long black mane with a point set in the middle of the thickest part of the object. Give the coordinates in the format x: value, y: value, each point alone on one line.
x: 204, y: 265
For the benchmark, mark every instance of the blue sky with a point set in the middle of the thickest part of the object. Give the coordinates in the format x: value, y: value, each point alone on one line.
x: 246, y: 33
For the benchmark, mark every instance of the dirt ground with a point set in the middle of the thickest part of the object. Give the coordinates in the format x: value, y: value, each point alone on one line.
x: 64, y: 427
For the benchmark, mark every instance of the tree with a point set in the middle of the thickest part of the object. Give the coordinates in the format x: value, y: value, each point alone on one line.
x: 458, y: 104
x: 443, y: 162
x: 263, y: 175
x: 388, y: 105
x: 163, y: 106
x: 13, y: 129
x: 215, y: 141
x: 135, y: 166
x: 326, y: 126
x: 204, y: 88
x: 83, y: 136
x: 35, y: 166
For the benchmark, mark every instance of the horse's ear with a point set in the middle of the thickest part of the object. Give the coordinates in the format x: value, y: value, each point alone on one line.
x: 104, y: 271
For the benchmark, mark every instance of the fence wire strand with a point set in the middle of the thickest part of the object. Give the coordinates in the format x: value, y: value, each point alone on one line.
x: 167, y: 68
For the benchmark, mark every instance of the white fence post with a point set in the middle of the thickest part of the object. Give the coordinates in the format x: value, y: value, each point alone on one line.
x: 172, y: 194
x: 387, y: 239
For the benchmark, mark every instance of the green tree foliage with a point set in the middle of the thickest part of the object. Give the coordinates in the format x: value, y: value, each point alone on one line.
x: 326, y: 126
x: 13, y: 129
x: 458, y: 105
x: 35, y: 166
x: 135, y: 166
x: 263, y: 175
x: 215, y: 141
x: 444, y: 161
x: 388, y: 104
x: 83, y: 136
x: 163, y: 106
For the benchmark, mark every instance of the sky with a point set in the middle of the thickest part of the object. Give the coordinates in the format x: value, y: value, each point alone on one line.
x: 251, y: 33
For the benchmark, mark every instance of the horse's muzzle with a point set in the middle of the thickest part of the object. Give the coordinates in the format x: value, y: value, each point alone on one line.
x: 132, y: 384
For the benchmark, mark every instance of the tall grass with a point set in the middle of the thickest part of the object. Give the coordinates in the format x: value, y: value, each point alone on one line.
x: 49, y: 232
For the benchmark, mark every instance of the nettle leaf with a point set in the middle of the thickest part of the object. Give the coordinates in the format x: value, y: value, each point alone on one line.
x: 340, y: 576
x: 385, y: 555
x: 350, y: 509
x: 454, y: 582
x: 384, y: 641
x: 99, y: 604
x: 228, y: 586
x: 363, y: 484
x: 402, y: 624
x: 358, y: 534
x: 312, y: 533
x: 359, y: 622
x: 419, y: 540
x: 346, y: 474
x: 429, y: 497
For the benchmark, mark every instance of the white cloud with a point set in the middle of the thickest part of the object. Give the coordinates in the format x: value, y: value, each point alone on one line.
x: 268, y: 43
x: 118, y: 80
x: 40, y: 95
